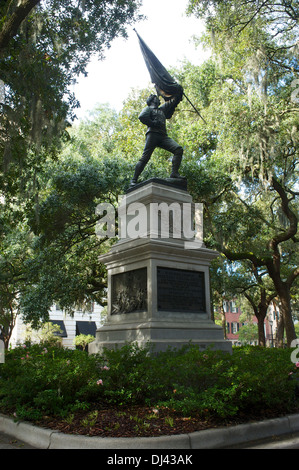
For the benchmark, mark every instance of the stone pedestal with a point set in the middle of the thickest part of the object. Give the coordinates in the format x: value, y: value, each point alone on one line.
x: 158, y: 284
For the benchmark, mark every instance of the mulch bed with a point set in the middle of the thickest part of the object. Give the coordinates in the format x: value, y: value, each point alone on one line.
x: 139, y: 421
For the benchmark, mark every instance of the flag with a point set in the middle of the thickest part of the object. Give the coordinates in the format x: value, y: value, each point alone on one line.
x: 165, y: 85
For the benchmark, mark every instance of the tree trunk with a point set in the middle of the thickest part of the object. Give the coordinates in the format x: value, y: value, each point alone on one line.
x: 283, y: 293
x: 260, y: 312
x: 223, y: 321
x: 6, y: 342
x: 274, y: 267
x: 10, y: 26
x: 6, y: 334
x: 285, y: 308
x: 261, y: 330
x: 261, y: 315
x: 280, y: 332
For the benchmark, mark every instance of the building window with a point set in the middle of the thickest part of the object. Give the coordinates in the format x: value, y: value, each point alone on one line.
x: 86, y: 328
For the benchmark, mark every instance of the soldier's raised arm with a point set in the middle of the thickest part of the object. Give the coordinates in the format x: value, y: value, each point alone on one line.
x: 169, y: 106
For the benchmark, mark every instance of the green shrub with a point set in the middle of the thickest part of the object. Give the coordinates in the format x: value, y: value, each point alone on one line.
x: 83, y: 340
x: 56, y: 381
x: 45, y: 379
x: 124, y: 374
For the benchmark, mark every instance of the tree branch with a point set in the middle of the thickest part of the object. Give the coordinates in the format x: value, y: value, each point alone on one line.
x: 292, y: 230
x: 252, y: 18
x: 293, y: 276
x: 246, y: 255
x: 12, y: 24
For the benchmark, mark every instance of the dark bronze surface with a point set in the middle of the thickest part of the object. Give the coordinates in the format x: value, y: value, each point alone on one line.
x: 180, y: 290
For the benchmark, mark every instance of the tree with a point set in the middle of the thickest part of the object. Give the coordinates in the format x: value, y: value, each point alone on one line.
x: 16, y: 14
x: 83, y: 340
x: 49, y: 333
x: 259, y: 294
x: 253, y: 216
x: 248, y: 333
x: 44, y: 46
x: 15, y: 251
x: 261, y: 227
x: 43, y: 50
x: 226, y: 21
x: 222, y: 289
x: 64, y: 267
x: 232, y: 280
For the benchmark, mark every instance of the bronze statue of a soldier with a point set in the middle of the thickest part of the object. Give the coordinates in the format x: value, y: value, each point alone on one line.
x: 154, y: 117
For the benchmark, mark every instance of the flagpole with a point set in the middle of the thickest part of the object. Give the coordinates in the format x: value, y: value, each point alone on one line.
x: 194, y: 108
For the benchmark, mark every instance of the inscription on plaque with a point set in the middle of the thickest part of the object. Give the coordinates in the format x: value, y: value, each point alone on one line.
x: 129, y: 291
x: 180, y: 290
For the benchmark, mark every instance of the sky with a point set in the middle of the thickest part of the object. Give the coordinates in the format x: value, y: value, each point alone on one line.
x: 168, y: 33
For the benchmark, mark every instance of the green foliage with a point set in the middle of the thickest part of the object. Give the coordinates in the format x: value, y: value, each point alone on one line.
x: 15, y: 250
x: 48, y: 334
x: 37, y: 381
x: 44, y: 379
x: 83, y: 340
x: 232, y: 19
x: 253, y: 220
x: 240, y: 163
x: 43, y: 50
x: 248, y: 333
x: 41, y: 61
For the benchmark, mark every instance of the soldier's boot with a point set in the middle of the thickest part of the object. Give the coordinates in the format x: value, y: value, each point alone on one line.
x: 176, y: 162
x: 138, y: 170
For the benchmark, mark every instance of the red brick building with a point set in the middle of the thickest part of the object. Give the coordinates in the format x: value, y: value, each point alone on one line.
x: 233, y: 325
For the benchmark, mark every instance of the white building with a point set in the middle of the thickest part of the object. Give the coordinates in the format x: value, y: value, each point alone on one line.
x: 71, y: 326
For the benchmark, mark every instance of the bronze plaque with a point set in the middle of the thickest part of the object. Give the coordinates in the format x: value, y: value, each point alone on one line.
x: 180, y: 290
x: 129, y: 291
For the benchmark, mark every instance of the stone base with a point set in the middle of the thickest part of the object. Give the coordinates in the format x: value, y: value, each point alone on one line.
x: 161, y: 336
x: 178, y: 183
x: 158, y: 286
